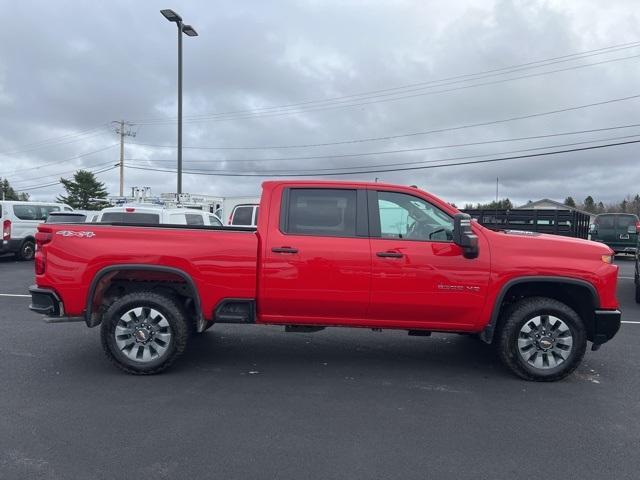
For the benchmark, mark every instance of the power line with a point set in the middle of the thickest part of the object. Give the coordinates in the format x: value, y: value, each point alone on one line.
x: 51, y: 184
x: 504, y: 70
x: 58, y: 141
x: 360, y: 172
x: 66, y: 172
x: 385, y: 152
x: 378, y: 100
x: 412, y: 134
x: 82, y: 155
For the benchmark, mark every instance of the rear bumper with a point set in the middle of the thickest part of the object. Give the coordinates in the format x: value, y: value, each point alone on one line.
x: 45, y: 301
x: 48, y: 303
x: 10, y: 246
x: 607, y: 324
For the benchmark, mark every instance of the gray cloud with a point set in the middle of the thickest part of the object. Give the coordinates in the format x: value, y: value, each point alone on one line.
x: 71, y: 66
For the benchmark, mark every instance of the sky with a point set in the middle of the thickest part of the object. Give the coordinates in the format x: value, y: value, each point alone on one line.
x: 330, y: 86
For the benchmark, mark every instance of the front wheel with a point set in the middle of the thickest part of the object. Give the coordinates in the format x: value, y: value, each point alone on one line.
x: 144, y: 332
x: 541, y: 339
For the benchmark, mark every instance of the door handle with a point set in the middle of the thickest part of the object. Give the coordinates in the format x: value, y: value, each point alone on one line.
x: 284, y: 250
x: 390, y: 254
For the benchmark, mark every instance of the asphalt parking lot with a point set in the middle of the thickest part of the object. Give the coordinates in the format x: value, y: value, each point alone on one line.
x: 255, y: 402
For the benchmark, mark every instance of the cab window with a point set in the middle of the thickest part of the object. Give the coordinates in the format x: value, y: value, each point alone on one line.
x: 406, y: 217
x: 322, y: 212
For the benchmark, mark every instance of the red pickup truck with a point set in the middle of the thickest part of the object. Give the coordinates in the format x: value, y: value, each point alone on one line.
x: 331, y: 254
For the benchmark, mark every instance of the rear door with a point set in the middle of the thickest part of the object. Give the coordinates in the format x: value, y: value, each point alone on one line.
x: 317, y: 261
x: 420, y: 278
x: 626, y: 233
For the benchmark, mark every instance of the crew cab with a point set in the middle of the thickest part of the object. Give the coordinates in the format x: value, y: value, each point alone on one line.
x: 331, y: 254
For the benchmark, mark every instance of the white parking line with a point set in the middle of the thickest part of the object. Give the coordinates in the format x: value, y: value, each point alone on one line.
x: 13, y: 295
x: 630, y: 321
x: 627, y: 278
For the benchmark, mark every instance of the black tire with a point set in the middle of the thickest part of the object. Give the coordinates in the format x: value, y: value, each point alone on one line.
x: 27, y: 250
x: 509, y: 333
x: 637, y: 292
x: 169, y: 308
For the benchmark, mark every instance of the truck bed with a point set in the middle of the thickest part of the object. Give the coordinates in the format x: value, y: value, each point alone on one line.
x: 220, y: 261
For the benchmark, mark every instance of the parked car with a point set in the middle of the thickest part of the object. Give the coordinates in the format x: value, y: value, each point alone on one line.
x: 66, y: 217
x: 617, y: 230
x: 151, y: 214
x: 19, y: 223
x: 332, y: 254
x: 244, y: 215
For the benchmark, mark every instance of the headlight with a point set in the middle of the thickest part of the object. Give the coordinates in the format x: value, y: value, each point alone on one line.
x: 607, y: 258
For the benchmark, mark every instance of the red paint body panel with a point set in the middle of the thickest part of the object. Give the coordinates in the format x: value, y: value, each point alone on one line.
x: 221, y: 263
x: 329, y: 280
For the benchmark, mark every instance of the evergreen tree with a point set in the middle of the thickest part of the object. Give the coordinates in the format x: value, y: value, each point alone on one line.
x: 7, y: 192
x: 600, y: 208
x: 570, y: 202
x: 589, y: 204
x: 84, y: 191
x: 624, y: 205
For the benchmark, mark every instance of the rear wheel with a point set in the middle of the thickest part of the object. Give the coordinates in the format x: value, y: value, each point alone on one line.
x: 27, y: 250
x: 144, y: 332
x: 541, y: 339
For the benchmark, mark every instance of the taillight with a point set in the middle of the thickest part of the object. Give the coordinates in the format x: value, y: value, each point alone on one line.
x: 638, y: 227
x: 229, y: 222
x: 6, y: 230
x: 40, y: 260
x: 43, y: 238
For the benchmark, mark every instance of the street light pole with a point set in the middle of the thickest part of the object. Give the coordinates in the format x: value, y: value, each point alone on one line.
x: 189, y: 31
x: 179, y: 110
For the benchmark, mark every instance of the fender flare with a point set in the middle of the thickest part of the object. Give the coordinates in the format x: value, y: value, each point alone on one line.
x: 100, y: 274
x: 487, y: 333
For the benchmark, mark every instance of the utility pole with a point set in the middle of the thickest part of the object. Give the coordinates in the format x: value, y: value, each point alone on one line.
x: 496, y: 190
x: 124, y: 129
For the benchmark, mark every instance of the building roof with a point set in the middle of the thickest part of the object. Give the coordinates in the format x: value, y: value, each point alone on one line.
x: 557, y: 206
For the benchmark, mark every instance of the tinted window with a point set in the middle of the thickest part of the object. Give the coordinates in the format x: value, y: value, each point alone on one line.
x: 132, y: 217
x: 26, y: 212
x: 404, y: 216
x: 194, y: 219
x: 45, y: 210
x: 626, y: 221
x: 324, y: 212
x: 66, y: 218
x: 605, y: 221
x: 242, y: 216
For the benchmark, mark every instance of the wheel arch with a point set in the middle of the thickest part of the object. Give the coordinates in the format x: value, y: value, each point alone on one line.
x: 578, y: 294
x: 104, y: 279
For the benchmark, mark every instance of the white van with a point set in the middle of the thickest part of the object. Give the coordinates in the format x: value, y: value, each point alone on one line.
x: 20, y: 221
x: 144, y: 213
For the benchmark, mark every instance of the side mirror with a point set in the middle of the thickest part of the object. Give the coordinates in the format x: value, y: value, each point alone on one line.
x: 463, y: 235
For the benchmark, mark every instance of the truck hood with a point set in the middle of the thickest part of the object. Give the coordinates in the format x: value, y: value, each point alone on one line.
x: 545, y: 240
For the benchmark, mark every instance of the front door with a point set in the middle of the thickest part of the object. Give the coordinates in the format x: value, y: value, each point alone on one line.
x: 317, y: 261
x: 420, y: 279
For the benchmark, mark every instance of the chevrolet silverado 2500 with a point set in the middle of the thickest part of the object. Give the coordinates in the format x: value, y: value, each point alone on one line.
x: 326, y: 254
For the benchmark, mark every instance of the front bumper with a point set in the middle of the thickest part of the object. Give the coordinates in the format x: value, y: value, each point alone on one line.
x: 607, y: 324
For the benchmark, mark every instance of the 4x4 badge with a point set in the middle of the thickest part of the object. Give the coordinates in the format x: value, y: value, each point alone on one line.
x: 71, y: 233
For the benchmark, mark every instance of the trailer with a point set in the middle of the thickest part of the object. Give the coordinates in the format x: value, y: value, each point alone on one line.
x: 568, y: 223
